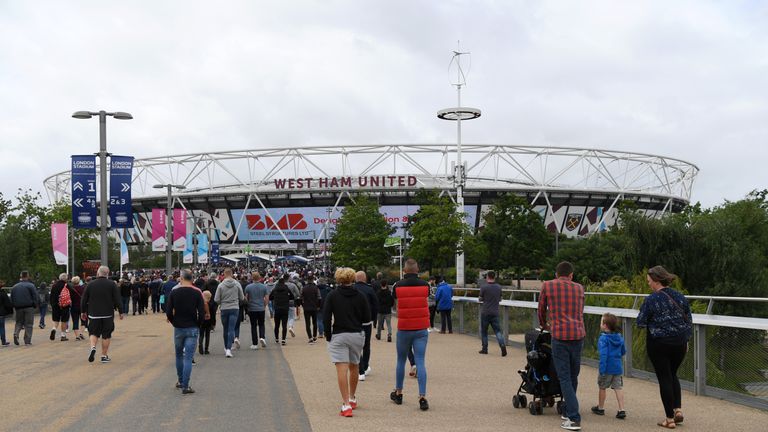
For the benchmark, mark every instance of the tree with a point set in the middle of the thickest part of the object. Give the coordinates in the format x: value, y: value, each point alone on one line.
x: 438, y: 231
x: 513, y: 236
x: 358, y: 241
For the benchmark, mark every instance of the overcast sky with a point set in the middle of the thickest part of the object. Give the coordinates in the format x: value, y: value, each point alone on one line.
x: 686, y: 79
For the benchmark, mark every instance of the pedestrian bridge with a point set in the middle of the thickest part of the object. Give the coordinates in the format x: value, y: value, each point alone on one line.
x: 50, y: 386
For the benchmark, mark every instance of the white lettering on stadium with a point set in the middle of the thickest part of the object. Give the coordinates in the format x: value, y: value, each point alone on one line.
x: 388, y: 181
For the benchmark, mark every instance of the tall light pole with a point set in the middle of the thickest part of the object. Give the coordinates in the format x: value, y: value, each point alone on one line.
x: 458, y: 114
x: 103, y: 168
x: 169, y: 210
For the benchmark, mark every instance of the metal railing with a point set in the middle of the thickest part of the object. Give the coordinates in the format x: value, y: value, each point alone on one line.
x: 509, y: 294
x: 728, y: 355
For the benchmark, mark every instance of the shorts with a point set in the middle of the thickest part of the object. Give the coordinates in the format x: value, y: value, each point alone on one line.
x: 615, y: 382
x: 346, y: 347
x: 101, y: 327
x: 59, y: 314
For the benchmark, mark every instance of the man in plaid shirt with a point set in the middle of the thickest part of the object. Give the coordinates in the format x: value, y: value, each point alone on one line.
x: 561, y: 310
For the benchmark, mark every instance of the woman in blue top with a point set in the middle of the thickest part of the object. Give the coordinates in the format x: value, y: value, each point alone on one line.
x: 667, y: 317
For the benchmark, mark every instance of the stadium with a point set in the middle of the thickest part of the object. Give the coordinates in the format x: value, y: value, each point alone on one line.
x: 290, y: 196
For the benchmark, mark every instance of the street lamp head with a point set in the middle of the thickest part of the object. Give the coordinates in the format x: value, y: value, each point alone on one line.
x: 82, y: 115
x: 163, y: 186
x: 122, y: 115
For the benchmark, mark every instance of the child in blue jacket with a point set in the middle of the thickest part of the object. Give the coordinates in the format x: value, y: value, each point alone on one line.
x: 611, y: 349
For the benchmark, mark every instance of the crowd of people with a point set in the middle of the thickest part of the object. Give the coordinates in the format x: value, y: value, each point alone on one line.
x: 344, y: 309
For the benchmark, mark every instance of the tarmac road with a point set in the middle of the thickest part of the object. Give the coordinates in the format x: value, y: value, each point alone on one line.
x: 52, y: 387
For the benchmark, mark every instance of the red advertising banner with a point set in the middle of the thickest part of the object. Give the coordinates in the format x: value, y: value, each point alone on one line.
x: 158, y: 230
x: 179, y: 229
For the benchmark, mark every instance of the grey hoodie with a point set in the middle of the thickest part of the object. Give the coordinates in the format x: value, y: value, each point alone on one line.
x: 229, y: 294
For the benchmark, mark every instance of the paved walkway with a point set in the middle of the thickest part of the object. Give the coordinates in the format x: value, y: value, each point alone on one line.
x: 51, y: 387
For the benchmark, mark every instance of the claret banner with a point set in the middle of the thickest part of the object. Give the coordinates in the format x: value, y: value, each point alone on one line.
x: 179, y: 229
x: 158, y: 230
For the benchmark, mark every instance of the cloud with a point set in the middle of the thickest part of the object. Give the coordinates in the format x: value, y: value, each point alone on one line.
x: 686, y: 80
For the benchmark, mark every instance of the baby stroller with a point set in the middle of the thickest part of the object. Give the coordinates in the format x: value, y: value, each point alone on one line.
x: 539, y: 376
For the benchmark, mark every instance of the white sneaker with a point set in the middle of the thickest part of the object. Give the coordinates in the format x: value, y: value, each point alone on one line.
x: 236, y: 342
x: 228, y: 353
x: 290, y: 330
x: 254, y: 347
x: 361, y: 377
x: 368, y: 371
x: 263, y: 343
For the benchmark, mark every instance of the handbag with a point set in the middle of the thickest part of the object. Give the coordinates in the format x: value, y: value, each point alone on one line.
x: 680, y: 308
x: 162, y: 298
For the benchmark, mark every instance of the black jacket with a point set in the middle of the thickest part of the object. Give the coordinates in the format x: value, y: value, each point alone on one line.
x: 101, y: 298
x: 349, y: 309
x: 6, y: 307
x: 370, y: 295
x: 281, y: 297
x: 310, y: 297
x: 386, y: 301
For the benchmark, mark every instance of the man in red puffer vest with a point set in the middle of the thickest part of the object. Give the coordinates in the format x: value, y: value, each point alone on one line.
x: 412, y: 324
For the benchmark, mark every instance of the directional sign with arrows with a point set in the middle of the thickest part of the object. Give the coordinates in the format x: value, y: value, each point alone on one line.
x: 120, y: 211
x: 83, y: 191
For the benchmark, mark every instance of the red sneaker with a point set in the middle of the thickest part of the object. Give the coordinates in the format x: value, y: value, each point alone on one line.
x: 353, y: 403
x: 346, y: 411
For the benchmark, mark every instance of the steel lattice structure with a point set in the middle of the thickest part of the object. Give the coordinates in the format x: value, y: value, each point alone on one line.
x: 548, y: 176
x: 489, y: 167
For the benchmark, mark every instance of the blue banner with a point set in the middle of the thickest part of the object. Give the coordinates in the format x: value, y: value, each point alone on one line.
x: 189, y: 252
x: 83, y: 180
x: 215, y: 252
x: 202, y: 249
x: 120, y: 212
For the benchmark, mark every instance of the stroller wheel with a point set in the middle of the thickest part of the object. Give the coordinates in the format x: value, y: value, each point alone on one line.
x: 516, y: 401
x: 559, y: 407
x: 532, y: 408
x: 539, y: 408
x: 523, y: 401
x: 550, y: 401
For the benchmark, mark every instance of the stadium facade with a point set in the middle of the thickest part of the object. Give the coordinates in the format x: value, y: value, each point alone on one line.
x: 291, y: 195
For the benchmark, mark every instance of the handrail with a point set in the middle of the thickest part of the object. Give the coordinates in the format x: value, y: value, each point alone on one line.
x: 638, y: 296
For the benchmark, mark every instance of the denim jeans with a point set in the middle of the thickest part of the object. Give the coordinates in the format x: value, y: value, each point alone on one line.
x: 228, y: 322
x: 184, y: 340
x: 291, y: 317
x: 43, y: 312
x: 320, y: 325
x: 416, y: 340
x: 126, y: 302
x: 382, y: 318
x: 493, y: 321
x: 2, y: 328
x: 567, y: 358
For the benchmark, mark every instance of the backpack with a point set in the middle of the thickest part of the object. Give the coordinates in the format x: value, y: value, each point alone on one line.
x: 65, y: 300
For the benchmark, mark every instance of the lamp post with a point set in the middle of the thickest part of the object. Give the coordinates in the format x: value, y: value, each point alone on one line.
x: 458, y: 114
x: 328, y: 210
x: 103, y: 168
x: 168, y: 240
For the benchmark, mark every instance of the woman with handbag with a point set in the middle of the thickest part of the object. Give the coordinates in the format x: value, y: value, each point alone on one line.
x: 667, y: 316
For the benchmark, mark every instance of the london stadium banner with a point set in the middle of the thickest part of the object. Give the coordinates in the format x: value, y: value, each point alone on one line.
x: 158, y: 230
x: 179, y: 229
x: 60, y: 238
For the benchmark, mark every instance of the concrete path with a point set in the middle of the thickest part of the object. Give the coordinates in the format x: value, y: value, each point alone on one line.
x: 472, y: 392
x: 51, y: 386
